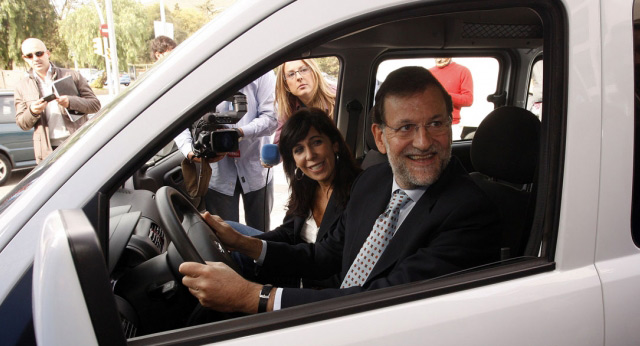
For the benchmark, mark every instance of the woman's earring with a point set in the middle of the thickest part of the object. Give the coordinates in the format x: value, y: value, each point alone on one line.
x: 300, y: 176
x: 337, y: 157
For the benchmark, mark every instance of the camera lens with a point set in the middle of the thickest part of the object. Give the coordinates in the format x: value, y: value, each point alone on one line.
x: 225, y: 141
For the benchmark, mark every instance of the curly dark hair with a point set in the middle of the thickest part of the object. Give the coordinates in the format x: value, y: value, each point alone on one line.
x: 160, y: 45
x: 303, y: 191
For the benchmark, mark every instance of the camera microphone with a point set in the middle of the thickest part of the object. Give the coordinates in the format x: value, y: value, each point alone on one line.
x: 270, y: 155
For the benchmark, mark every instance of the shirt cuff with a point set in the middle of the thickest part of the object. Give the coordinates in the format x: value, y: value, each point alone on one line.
x: 33, y: 114
x: 186, y: 150
x: 247, y: 131
x: 277, y: 300
x: 263, y: 253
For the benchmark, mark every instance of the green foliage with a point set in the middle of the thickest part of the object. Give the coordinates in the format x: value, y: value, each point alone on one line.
x: 21, y: 19
x: 71, y: 37
x: 77, y: 30
x: 188, y: 21
x: 131, y: 30
x: 185, y: 23
x: 209, y: 8
x: 81, y: 25
x: 98, y: 83
x: 329, y: 65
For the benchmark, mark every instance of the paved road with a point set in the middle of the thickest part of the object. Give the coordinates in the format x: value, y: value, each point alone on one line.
x: 16, y: 176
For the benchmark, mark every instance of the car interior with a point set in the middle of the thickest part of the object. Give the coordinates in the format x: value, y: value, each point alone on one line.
x: 512, y: 147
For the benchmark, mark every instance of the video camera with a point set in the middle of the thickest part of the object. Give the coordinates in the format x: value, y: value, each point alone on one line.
x: 210, y: 134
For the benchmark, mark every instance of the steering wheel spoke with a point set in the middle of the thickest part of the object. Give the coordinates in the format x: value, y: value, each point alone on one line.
x: 185, y: 227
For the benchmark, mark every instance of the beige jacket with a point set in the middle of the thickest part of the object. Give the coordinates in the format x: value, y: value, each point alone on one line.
x: 27, y: 92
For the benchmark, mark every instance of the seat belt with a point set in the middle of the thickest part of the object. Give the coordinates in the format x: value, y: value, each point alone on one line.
x: 354, y: 108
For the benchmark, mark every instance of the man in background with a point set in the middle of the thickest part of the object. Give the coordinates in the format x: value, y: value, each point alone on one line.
x: 55, y: 118
x: 456, y: 79
x: 161, y: 46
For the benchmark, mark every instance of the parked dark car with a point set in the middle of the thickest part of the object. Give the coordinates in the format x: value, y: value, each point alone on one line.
x: 16, y: 145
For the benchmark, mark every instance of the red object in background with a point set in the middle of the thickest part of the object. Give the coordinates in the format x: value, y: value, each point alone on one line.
x: 103, y: 30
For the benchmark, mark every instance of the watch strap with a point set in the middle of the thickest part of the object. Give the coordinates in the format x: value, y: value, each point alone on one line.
x: 264, y: 298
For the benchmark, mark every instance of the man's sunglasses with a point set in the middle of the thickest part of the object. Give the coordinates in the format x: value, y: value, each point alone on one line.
x: 30, y: 55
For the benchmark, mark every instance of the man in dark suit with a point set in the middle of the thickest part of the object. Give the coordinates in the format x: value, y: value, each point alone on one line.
x: 443, y: 224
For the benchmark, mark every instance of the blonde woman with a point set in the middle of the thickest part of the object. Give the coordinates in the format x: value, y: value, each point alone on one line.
x: 300, y: 84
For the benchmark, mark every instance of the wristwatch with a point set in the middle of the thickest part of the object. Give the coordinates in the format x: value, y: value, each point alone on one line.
x: 264, y: 298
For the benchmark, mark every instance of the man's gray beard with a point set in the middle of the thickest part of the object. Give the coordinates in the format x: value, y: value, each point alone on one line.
x: 402, y: 174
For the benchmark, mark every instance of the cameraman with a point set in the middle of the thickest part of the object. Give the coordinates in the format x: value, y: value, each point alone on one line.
x: 241, y: 172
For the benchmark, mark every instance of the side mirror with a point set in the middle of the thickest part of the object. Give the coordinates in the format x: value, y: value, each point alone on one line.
x: 72, y: 299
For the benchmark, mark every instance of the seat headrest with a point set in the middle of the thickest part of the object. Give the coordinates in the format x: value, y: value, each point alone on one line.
x: 506, y: 145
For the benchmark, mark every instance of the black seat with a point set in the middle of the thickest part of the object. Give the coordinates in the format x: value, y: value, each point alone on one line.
x: 504, y: 152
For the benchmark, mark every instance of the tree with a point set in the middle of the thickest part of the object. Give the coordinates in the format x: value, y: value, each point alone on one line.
x: 153, y: 14
x: 78, y: 29
x: 21, y: 19
x: 132, y: 31
x: 329, y: 65
x: 80, y: 26
x: 187, y: 21
x: 210, y: 8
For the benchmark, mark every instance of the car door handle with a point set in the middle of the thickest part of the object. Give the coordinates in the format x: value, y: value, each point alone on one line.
x: 174, y: 177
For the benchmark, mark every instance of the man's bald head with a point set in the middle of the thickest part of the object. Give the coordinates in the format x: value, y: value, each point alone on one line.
x: 35, y: 53
x: 31, y: 45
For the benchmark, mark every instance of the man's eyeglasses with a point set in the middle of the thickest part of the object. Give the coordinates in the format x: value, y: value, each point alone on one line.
x: 434, y: 128
x: 30, y: 55
x: 303, y: 71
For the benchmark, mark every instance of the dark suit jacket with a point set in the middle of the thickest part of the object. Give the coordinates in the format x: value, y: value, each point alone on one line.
x: 290, y: 232
x: 291, y: 228
x: 453, y: 226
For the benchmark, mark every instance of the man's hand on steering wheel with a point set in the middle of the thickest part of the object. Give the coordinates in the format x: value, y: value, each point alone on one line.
x: 231, y: 239
x: 218, y: 287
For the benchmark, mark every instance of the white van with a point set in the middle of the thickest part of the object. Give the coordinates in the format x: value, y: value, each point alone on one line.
x: 570, y: 267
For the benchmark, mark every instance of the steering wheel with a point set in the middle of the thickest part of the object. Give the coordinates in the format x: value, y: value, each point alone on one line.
x: 186, y: 227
